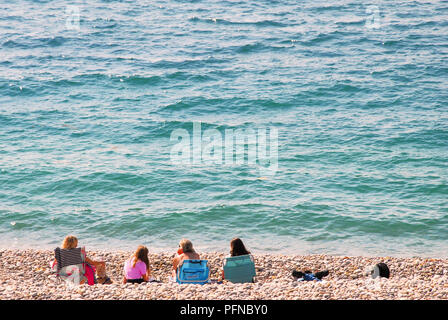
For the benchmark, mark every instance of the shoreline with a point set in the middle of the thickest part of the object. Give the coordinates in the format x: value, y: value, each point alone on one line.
x: 25, y: 274
x: 94, y: 247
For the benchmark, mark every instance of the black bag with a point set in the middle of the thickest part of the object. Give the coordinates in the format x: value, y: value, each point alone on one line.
x: 380, y: 270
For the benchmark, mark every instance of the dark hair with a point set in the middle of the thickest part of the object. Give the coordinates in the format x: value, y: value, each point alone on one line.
x: 237, y: 248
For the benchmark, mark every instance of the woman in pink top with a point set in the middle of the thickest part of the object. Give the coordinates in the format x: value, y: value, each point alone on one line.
x: 136, y: 268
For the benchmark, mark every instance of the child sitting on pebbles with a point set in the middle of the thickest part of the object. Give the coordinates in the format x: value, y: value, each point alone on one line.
x: 136, y: 268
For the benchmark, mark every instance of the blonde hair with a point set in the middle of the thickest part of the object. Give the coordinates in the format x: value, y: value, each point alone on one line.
x: 70, y: 242
x: 186, y: 245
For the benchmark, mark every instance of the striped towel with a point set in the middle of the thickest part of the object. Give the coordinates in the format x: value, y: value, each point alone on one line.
x: 68, y: 257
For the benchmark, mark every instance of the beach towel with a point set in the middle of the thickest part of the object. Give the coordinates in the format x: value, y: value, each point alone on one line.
x: 90, y: 274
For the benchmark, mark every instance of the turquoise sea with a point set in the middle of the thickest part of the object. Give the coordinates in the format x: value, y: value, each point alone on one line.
x: 91, y: 92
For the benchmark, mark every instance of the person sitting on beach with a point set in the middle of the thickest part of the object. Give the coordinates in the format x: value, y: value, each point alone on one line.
x: 136, y: 268
x: 71, y: 242
x: 237, y: 248
x: 185, y: 252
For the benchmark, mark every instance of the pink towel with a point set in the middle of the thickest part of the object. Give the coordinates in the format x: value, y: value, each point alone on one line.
x: 90, y: 274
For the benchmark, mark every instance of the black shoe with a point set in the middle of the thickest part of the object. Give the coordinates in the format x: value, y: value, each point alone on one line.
x: 319, y: 275
x: 297, y: 274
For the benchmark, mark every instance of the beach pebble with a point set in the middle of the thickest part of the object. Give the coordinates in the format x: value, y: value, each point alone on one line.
x: 411, y: 278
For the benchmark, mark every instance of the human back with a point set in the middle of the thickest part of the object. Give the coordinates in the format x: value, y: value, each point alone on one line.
x: 188, y: 256
x: 185, y: 252
x: 136, y: 268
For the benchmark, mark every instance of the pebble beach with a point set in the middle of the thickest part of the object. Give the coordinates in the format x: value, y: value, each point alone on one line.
x: 25, y: 274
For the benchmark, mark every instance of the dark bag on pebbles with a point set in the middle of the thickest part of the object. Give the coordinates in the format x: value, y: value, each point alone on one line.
x: 379, y: 270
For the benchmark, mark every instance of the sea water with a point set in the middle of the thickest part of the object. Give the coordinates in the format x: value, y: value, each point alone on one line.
x: 92, y: 94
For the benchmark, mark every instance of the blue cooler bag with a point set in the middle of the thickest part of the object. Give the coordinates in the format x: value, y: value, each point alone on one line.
x: 193, y: 271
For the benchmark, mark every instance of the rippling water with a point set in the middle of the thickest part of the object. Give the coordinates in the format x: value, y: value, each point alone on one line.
x: 357, y: 92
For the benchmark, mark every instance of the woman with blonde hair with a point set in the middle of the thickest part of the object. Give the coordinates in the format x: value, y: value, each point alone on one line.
x: 185, y: 252
x: 136, y: 268
x: 71, y: 242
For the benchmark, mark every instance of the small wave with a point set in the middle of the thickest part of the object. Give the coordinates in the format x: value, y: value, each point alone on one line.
x: 95, y: 78
x: 328, y: 7
x: 142, y: 80
x: 262, y: 23
x: 429, y: 138
x: 17, y: 90
x: 355, y: 22
x: 30, y: 43
x: 393, y: 43
x: 10, y: 44
x: 250, y: 48
x: 320, y: 38
x: 213, y: 104
x: 108, y: 24
x: 337, y: 89
x: 55, y: 41
x: 189, y: 64
x: 188, y: 76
